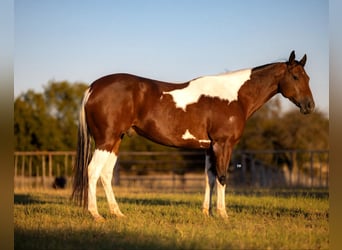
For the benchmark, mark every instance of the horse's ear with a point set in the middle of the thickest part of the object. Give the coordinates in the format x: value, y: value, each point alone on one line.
x: 292, y: 57
x: 303, y: 61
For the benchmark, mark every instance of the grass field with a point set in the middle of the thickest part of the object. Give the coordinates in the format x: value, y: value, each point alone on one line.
x: 257, y: 220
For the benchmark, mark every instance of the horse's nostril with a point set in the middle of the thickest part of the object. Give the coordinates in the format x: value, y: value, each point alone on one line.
x: 311, y: 105
x: 307, y: 106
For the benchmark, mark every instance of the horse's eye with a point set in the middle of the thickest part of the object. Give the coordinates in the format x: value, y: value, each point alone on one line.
x: 295, y: 77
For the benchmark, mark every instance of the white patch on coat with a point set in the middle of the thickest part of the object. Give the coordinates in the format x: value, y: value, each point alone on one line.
x: 204, y: 141
x: 225, y: 86
x: 187, y: 135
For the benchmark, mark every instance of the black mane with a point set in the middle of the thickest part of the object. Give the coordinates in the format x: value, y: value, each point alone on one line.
x: 262, y: 66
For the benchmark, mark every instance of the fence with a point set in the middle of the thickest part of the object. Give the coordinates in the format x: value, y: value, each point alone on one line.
x: 181, y: 170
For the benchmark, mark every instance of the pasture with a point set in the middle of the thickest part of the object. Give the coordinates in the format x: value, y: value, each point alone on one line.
x: 263, y: 219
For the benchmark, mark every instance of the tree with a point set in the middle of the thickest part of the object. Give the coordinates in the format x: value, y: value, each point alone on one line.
x: 270, y: 128
x: 306, y: 132
x: 33, y: 128
x: 262, y: 130
x: 63, y: 101
x: 48, y: 121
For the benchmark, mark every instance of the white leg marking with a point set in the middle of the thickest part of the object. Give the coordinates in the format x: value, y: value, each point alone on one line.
x: 106, y: 179
x: 96, y: 164
x: 221, y: 204
x: 209, y: 186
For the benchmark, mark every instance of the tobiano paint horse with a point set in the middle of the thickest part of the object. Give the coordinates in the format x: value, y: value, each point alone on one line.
x: 207, y: 113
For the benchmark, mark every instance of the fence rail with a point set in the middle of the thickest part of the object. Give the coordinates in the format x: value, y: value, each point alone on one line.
x: 181, y: 170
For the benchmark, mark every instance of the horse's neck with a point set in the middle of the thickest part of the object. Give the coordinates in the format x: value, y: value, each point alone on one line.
x: 262, y: 86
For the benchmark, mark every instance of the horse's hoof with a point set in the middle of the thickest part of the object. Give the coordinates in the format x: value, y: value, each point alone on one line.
x: 118, y: 213
x: 98, y: 218
x: 222, y: 213
x: 207, y: 212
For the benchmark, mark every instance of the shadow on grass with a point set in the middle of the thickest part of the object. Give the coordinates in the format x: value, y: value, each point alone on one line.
x: 278, y: 211
x: 85, y: 239
x: 95, y: 239
x: 288, y: 192
x: 154, y: 201
x: 25, y: 199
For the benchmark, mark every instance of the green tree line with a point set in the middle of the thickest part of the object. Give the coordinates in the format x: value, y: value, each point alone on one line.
x: 48, y: 121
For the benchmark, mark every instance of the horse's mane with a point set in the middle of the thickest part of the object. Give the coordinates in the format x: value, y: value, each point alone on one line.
x: 263, y: 66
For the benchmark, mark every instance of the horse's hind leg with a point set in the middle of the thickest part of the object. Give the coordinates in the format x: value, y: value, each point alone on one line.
x: 95, y: 167
x: 106, y: 179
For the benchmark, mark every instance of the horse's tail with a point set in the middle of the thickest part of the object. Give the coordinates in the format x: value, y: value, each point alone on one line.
x: 83, y: 156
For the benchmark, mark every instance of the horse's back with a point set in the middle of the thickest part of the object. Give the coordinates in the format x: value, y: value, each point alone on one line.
x: 120, y: 81
x: 118, y: 100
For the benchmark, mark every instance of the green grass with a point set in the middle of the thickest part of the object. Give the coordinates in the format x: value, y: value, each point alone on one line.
x: 47, y: 220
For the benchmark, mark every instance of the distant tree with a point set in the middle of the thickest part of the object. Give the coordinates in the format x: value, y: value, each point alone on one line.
x: 34, y: 129
x: 63, y: 101
x: 48, y: 121
x: 262, y: 130
x: 271, y: 128
x: 306, y: 132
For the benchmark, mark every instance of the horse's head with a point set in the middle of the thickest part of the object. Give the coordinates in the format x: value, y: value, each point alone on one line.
x: 295, y: 85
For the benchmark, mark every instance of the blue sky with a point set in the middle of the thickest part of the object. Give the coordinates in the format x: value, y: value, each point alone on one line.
x: 82, y: 40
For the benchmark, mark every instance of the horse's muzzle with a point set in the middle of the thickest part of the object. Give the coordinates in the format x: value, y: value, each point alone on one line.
x: 307, y: 106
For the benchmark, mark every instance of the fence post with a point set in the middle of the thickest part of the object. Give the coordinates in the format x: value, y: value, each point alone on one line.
x: 320, y: 174
x: 30, y: 170
x: 43, y: 171
x: 242, y: 172
x: 22, y: 171
x: 253, y: 177
x: 50, y: 165
x: 298, y: 170
x: 311, y: 169
x: 63, y: 173
x: 327, y: 174
x: 58, y: 172
x: 291, y: 167
x: 15, y: 168
x: 73, y: 162
x: 37, y: 176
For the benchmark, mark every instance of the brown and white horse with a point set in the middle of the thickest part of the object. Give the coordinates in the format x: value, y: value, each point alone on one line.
x: 208, y: 112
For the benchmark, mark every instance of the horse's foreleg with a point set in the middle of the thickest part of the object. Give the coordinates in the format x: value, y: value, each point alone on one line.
x: 222, y: 152
x: 106, y: 179
x: 221, y: 204
x: 95, y: 167
x: 210, y: 178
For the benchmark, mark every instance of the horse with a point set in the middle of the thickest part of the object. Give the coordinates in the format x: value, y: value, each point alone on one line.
x: 208, y: 113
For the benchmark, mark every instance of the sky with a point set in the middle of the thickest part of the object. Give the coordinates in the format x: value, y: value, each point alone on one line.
x: 175, y: 41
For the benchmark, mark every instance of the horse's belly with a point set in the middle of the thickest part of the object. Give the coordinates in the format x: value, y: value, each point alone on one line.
x: 175, y: 137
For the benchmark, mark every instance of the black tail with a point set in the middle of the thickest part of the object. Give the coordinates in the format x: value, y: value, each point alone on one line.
x: 80, y: 178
